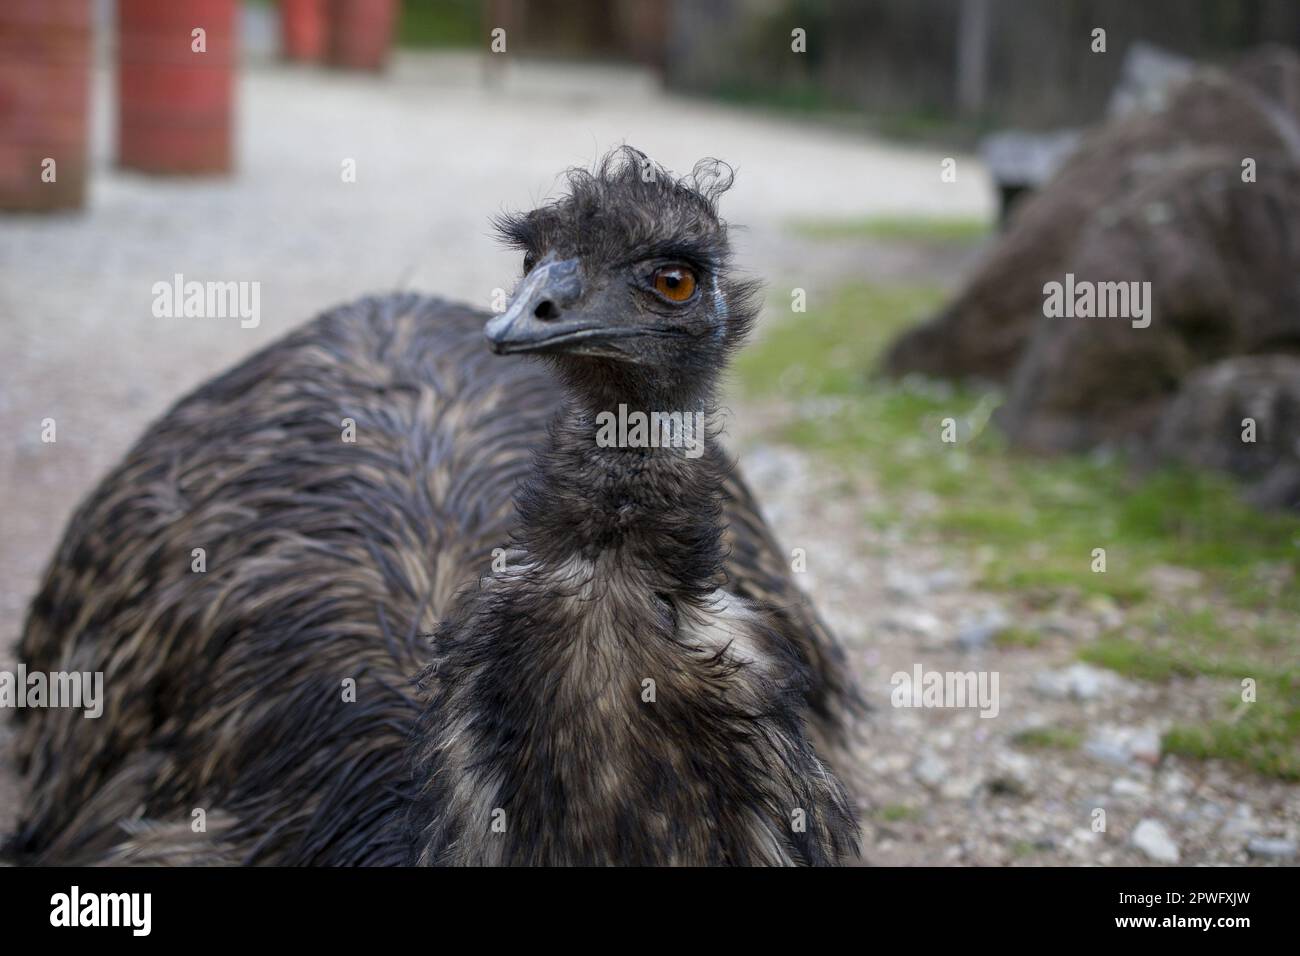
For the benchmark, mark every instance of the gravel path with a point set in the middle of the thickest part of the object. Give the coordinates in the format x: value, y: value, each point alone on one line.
x: 439, y: 147
x: 948, y: 786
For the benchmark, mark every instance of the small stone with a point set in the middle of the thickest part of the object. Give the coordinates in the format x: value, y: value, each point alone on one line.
x: 1151, y: 837
x: 919, y: 623
x: 1174, y: 781
x: 1128, y: 787
x: 1266, y: 848
x: 911, y: 585
x: 1106, y: 750
x: 1170, y: 578
x: 960, y: 787
x: 1122, y: 746
x: 1012, y: 774
x: 1241, y: 825
x: 1086, y: 683
x: 945, y: 579
x: 930, y: 770
x: 979, y: 633
x: 1078, y: 682
x: 1107, y: 613
x: 1081, y: 842
x: 905, y: 584
x: 1144, y: 745
x: 1052, y: 684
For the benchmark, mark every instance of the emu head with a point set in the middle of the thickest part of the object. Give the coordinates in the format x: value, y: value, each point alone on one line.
x: 627, y: 285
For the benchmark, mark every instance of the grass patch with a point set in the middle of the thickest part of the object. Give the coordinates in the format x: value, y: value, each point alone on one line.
x: 1030, y: 525
x: 1031, y: 522
x: 441, y: 23
x: 1171, y: 642
x: 1264, y: 736
x: 1023, y: 848
x: 1017, y: 637
x: 897, y: 228
x: 1135, y: 660
x: 897, y: 812
x: 798, y: 97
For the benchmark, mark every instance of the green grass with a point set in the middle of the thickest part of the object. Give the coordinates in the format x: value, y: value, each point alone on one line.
x: 897, y: 228
x: 1035, y: 520
x: 1264, y: 738
x: 802, y: 98
x: 1017, y: 637
x: 1172, y: 643
x: 1029, y: 526
x: 442, y: 23
x: 897, y: 812
x: 1023, y: 848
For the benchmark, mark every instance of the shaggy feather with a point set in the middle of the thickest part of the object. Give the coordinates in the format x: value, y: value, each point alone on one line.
x: 329, y: 560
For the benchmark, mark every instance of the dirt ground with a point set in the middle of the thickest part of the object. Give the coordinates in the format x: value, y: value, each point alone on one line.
x: 438, y: 150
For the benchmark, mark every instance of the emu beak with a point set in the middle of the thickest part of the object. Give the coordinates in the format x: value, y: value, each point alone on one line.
x: 539, y: 317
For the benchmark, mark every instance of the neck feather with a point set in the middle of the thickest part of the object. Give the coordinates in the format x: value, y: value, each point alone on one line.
x: 634, y: 486
x: 601, y: 701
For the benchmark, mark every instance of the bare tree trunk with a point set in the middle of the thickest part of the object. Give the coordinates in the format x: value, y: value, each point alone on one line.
x: 972, y: 56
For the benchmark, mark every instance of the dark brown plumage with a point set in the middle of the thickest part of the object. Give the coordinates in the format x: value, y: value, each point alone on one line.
x: 520, y: 732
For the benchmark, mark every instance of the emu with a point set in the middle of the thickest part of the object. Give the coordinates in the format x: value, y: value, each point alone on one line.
x: 435, y: 621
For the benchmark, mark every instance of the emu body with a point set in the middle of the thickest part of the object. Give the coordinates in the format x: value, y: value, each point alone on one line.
x: 431, y: 644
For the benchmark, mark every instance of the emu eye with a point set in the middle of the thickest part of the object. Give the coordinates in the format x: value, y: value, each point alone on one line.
x: 675, y: 283
x: 530, y: 260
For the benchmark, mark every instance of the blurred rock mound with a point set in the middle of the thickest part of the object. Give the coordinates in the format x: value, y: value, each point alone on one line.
x: 1240, y: 415
x: 1197, y: 193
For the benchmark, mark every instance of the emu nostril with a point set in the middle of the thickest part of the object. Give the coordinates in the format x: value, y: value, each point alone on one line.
x: 546, y: 309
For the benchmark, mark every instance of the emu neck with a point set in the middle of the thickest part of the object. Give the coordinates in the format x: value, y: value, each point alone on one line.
x: 632, y: 507
x: 550, y: 677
